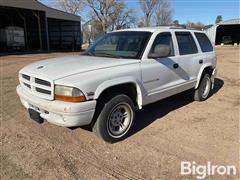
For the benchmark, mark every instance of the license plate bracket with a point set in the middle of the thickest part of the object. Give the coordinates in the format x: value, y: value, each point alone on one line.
x: 34, y: 115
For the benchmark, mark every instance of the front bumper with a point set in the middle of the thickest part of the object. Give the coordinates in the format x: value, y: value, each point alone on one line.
x: 58, y: 112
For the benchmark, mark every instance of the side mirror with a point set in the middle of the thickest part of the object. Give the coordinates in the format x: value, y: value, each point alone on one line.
x: 160, y: 50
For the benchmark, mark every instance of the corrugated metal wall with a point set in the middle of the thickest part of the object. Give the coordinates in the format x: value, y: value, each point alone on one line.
x: 64, y: 35
x: 13, y: 17
x: 211, y: 32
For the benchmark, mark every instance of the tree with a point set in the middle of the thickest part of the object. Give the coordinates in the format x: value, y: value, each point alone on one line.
x: 70, y: 6
x: 92, y: 30
x: 218, y: 19
x: 105, y: 11
x: 148, y: 7
x: 112, y: 14
x: 175, y: 22
x: 123, y: 18
x: 141, y: 22
x: 197, y: 25
x: 190, y: 24
x: 164, y: 13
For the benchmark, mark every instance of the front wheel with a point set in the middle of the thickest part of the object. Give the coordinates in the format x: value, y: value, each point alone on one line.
x: 204, y: 88
x: 115, y: 119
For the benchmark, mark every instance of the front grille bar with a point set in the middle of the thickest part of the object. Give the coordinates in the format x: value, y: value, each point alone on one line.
x: 42, y: 82
x: 27, y: 85
x: 26, y: 77
x: 37, y: 86
x: 43, y: 91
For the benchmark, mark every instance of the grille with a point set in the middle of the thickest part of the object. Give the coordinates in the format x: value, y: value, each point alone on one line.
x: 37, y: 86
x: 43, y: 91
x: 42, y: 82
x: 26, y: 77
x: 27, y: 85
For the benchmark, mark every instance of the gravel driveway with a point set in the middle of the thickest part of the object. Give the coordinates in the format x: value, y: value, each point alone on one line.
x: 167, y: 132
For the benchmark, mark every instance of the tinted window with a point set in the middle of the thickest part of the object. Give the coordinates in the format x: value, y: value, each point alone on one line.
x: 186, y: 43
x: 205, y: 44
x: 163, y: 39
x: 127, y: 44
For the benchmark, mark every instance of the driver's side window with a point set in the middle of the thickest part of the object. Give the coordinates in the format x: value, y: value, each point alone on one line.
x: 163, y: 39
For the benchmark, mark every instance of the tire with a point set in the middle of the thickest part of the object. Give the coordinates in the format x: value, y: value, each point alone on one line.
x: 115, y: 119
x: 204, y: 88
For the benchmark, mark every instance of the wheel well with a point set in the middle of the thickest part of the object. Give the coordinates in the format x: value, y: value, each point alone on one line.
x: 128, y: 89
x: 208, y: 70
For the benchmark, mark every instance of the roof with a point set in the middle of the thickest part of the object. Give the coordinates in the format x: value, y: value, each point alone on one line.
x: 36, y: 5
x: 229, y: 22
x: 157, y: 28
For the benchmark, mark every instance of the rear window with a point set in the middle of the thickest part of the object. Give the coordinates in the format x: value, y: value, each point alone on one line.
x: 186, y: 43
x: 204, y: 42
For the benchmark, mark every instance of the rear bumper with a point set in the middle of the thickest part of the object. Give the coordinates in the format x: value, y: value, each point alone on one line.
x: 57, y: 112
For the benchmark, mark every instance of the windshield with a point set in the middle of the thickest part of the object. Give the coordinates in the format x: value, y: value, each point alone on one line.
x: 127, y: 44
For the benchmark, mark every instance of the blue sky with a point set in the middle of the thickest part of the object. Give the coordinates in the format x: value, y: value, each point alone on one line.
x: 192, y: 10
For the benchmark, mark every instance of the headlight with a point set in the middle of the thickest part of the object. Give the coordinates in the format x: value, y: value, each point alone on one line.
x: 69, y: 94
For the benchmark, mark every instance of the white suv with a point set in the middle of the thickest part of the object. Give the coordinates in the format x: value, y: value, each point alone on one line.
x: 123, y: 71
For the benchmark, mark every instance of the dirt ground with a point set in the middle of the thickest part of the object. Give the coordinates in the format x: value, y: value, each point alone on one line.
x: 167, y: 132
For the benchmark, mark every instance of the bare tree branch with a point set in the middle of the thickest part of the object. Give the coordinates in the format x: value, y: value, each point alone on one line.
x: 112, y: 14
x: 70, y: 6
x: 148, y: 7
x: 164, y: 13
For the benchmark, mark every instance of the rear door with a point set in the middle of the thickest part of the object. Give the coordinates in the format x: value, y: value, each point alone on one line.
x: 207, y: 54
x: 188, y: 56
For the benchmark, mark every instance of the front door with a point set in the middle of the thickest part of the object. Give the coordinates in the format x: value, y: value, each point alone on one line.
x: 162, y: 76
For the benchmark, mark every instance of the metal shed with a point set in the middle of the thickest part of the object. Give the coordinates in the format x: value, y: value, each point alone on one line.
x: 228, y: 28
x: 44, y: 28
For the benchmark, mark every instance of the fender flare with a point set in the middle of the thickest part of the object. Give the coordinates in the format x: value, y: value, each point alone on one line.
x: 118, y: 81
x: 201, y: 71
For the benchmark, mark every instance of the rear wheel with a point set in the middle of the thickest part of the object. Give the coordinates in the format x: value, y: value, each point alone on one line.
x: 115, y: 119
x: 204, y: 88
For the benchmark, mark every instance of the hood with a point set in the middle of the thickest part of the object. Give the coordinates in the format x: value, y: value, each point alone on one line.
x: 61, y: 67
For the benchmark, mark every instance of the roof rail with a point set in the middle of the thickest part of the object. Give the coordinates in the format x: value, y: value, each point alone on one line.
x: 190, y: 28
x: 182, y: 27
x: 177, y: 27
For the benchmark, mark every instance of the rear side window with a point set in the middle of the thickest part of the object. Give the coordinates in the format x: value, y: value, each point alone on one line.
x: 186, y: 43
x: 204, y: 42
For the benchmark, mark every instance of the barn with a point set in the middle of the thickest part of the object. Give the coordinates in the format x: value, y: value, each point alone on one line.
x: 30, y: 25
x: 226, y: 32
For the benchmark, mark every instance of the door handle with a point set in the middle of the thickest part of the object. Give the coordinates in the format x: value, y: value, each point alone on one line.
x: 200, y: 61
x: 175, y: 65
